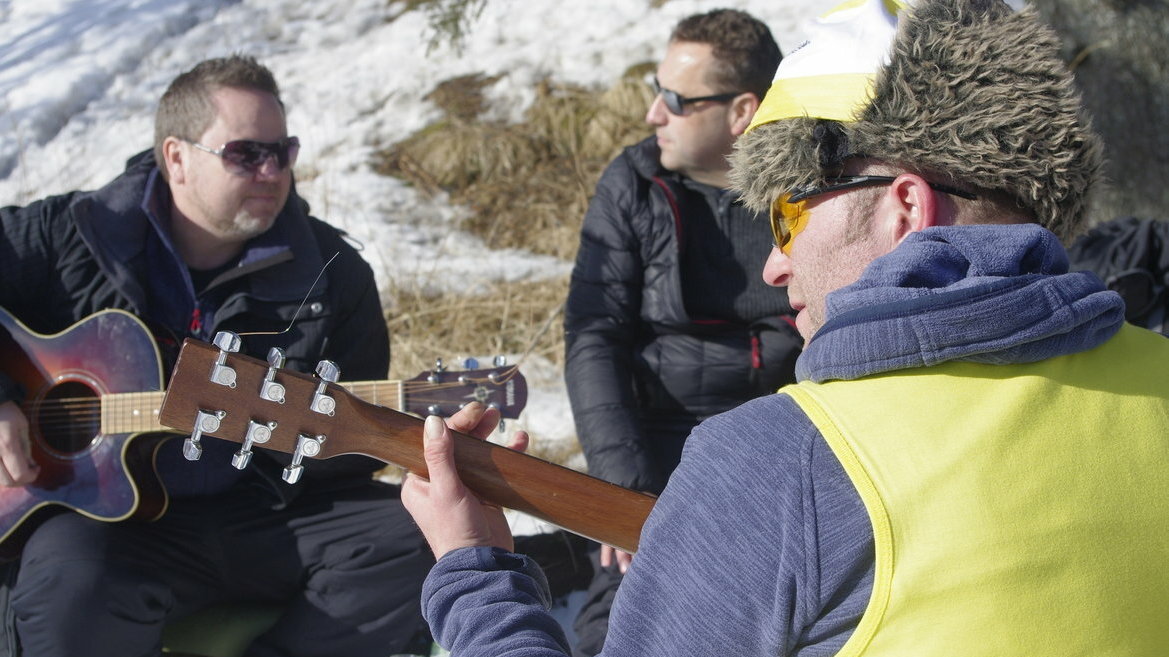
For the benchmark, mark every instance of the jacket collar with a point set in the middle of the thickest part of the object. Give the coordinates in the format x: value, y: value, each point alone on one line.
x: 116, y: 221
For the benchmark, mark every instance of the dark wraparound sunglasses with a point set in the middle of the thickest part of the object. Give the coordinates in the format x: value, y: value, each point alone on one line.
x: 676, y: 102
x: 789, y: 212
x: 245, y: 157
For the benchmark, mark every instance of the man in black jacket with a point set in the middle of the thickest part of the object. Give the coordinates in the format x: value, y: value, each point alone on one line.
x: 667, y: 320
x: 204, y: 234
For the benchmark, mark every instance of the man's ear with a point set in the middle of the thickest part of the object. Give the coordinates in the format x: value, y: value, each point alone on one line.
x: 912, y: 205
x: 173, y: 158
x: 743, y: 108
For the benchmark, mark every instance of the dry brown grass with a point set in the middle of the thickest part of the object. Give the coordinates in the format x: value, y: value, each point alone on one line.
x: 512, y: 318
x: 527, y: 186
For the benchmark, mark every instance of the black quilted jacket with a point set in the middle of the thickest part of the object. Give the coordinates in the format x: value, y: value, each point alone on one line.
x: 640, y: 371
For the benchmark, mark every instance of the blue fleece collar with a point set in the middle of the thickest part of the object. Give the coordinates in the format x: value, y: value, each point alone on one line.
x: 990, y: 294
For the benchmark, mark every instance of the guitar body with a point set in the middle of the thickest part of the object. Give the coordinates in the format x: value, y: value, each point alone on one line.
x: 105, y: 476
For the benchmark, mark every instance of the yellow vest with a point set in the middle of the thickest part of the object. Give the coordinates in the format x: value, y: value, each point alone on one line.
x: 1018, y: 510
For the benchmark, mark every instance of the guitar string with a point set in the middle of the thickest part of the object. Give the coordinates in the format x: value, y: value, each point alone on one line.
x: 75, y: 409
x: 296, y: 315
x: 64, y: 404
x: 509, y: 374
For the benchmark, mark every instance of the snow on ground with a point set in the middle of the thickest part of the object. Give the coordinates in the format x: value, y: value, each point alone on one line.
x: 79, y: 81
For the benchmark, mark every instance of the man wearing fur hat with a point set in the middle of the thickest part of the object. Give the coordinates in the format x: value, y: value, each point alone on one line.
x: 973, y: 459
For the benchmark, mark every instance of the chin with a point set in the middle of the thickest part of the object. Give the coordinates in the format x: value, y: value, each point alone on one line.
x: 245, y: 225
x: 668, y: 162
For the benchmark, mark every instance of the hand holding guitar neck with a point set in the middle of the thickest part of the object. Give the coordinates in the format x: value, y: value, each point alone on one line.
x: 320, y: 419
x: 448, y: 513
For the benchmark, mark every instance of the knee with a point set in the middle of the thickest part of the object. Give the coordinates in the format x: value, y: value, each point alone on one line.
x: 67, y: 571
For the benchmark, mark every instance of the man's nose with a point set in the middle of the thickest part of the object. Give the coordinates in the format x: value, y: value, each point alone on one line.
x: 269, y: 169
x: 656, y: 114
x: 777, y: 271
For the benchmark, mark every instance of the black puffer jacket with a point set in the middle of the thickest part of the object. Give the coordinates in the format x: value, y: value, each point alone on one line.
x: 66, y: 257
x: 641, y: 372
x: 1132, y: 256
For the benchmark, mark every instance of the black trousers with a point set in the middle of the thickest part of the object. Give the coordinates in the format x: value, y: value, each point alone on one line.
x: 666, y: 437
x: 345, y: 559
x: 592, y: 621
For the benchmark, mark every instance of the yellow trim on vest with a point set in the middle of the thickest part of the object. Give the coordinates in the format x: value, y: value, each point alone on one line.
x: 999, y: 524
x: 882, y: 529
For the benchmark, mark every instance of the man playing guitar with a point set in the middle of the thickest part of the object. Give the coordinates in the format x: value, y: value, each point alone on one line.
x: 206, y: 233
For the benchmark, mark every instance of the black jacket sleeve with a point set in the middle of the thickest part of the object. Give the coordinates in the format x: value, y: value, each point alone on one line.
x: 27, y: 247
x: 601, y: 325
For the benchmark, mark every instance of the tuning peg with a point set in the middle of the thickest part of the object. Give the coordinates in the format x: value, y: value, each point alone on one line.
x: 439, y: 368
x: 470, y: 363
x: 228, y: 343
x: 502, y: 422
x: 308, y: 446
x: 498, y: 361
x: 257, y: 434
x: 205, y: 422
x: 269, y: 389
x: 328, y: 372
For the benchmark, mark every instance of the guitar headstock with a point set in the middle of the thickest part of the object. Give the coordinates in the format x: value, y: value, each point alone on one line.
x: 442, y: 392
x: 216, y: 391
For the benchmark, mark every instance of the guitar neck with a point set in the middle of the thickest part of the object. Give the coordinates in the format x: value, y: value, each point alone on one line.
x: 346, y: 424
x: 137, y: 412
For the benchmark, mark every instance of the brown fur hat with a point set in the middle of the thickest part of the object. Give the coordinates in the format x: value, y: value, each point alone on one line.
x: 974, y: 94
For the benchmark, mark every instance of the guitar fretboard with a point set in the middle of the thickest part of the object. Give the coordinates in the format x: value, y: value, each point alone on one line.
x: 137, y: 412
x: 130, y: 412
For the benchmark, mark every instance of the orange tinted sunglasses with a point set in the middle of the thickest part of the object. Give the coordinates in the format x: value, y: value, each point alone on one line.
x: 789, y: 212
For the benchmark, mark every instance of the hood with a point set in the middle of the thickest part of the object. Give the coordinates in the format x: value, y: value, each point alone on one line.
x: 991, y: 294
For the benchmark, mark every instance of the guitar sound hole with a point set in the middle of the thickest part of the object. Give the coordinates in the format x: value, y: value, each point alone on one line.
x: 69, y: 417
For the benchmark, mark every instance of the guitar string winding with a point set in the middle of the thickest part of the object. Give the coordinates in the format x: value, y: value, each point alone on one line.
x: 296, y: 315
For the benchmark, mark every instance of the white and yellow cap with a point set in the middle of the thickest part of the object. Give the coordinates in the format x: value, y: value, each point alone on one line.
x: 831, y: 75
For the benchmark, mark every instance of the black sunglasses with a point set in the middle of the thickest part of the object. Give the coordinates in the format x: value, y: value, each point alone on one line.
x: 676, y: 102
x: 245, y: 157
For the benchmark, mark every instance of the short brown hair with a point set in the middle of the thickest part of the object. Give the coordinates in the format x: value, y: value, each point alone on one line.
x: 746, y: 53
x: 185, y: 110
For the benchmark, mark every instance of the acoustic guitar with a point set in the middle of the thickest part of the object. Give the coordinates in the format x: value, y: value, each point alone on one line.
x: 214, y: 392
x: 93, y: 394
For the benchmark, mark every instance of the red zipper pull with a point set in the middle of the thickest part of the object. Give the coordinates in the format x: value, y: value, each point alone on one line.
x: 756, y: 355
x: 196, y: 321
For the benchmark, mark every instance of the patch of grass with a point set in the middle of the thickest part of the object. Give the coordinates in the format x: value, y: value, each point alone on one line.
x: 527, y: 186
x: 511, y: 318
